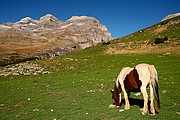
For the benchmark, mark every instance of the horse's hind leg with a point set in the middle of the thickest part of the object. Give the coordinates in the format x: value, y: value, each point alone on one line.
x: 145, y: 96
x: 152, y: 110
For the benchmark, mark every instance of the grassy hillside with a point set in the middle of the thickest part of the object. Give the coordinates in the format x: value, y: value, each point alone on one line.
x: 165, y: 34
x: 79, y: 88
x: 17, y: 47
x: 79, y: 83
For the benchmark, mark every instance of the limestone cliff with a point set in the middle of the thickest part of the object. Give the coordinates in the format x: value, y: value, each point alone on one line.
x: 49, y: 37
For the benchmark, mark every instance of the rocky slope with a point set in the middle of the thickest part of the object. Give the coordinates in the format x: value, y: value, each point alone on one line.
x: 48, y: 37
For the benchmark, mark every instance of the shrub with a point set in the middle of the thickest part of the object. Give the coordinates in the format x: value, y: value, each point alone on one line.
x: 160, y: 40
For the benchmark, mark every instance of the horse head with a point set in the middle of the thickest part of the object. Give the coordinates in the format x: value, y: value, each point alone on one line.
x: 116, y: 95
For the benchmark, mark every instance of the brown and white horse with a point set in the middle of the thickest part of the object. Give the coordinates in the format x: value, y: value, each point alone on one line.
x: 137, y: 79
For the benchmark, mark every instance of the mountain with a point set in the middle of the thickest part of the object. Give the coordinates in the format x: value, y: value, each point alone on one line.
x: 83, y: 30
x: 48, y: 37
x: 86, y: 31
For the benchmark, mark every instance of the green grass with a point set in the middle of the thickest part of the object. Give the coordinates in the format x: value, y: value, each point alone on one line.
x: 78, y: 88
x: 172, y: 31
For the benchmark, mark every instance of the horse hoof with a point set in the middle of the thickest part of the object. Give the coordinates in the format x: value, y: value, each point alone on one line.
x: 127, y: 108
x: 152, y: 114
x: 142, y: 113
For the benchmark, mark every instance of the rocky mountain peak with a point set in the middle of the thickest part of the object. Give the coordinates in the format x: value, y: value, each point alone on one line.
x: 78, y: 18
x: 82, y: 19
x: 49, y: 21
x: 26, y: 20
x: 49, y: 17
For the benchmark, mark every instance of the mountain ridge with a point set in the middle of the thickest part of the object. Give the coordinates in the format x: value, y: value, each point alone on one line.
x: 53, y: 37
x: 50, y: 22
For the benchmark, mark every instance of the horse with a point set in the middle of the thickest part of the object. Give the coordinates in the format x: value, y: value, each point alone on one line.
x: 137, y: 79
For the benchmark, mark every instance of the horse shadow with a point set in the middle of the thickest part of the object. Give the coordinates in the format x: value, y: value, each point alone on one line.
x: 137, y: 102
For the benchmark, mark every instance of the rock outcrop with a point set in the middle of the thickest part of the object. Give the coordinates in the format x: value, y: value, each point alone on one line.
x: 23, y: 69
x: 170, y: 16
x: 49, y: 36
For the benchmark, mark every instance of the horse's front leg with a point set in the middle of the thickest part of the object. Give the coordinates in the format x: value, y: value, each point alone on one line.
x: 126, y: 97
x: 145, y: 96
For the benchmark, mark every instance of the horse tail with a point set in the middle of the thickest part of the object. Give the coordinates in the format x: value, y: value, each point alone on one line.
x: 154, y: 83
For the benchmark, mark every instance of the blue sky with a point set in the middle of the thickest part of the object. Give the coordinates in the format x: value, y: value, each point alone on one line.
x: 121, y: 17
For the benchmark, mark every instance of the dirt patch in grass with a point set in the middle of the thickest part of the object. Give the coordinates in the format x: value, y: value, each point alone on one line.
x: 55, y: 93
x: 160, y: 29
x: 168, y: 47
x: 167, y: 51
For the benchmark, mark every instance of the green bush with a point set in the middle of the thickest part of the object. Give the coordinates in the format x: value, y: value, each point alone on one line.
x: 160, y: 40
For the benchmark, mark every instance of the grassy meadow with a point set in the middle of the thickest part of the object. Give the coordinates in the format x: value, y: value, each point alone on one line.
x: 78, y: 88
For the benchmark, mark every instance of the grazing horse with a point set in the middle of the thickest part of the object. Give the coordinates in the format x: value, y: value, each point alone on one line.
x: 137, y: 79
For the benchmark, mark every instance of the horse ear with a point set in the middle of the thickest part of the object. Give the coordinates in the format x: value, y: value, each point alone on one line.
x: 112, y: 91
